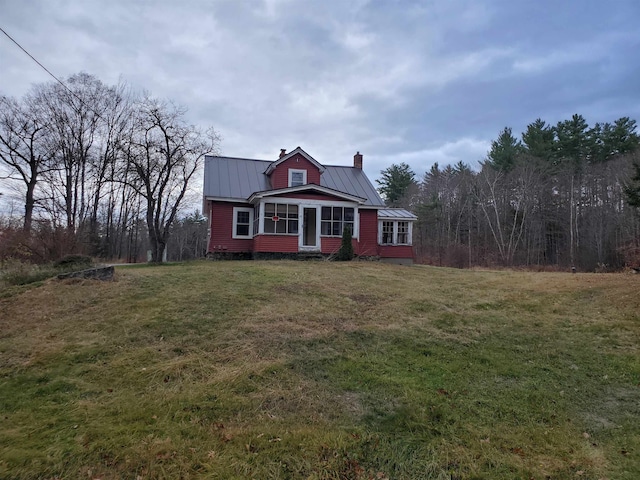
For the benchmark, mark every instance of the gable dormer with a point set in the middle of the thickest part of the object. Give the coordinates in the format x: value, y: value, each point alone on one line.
x: 294, y: 169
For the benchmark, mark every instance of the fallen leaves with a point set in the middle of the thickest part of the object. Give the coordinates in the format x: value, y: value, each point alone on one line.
x: 518, y: 451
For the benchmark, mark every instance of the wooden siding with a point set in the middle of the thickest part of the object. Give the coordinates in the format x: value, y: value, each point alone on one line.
x: 276, y: 243
x: 220, y: 240
x: 368, y: 244
x: 330, y: 245
x: 280, y: 176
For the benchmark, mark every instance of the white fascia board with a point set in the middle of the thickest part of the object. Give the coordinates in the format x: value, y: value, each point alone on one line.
x: 304, y: 201
x: 227, y: 199
x: 302, y: 188
x: 398, y: 219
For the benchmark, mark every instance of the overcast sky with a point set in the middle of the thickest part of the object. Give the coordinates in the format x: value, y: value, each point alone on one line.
x: 400, y: 81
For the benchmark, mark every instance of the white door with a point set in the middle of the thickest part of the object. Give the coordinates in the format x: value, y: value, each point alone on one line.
x: 310, y: 231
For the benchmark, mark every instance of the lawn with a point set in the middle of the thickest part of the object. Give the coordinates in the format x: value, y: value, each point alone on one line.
x: 319, y: 370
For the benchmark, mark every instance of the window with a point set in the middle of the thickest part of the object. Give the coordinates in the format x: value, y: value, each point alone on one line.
x: 395, y: 232
x: 403, y: 233
x: 242, y: 222
x: 280, y: 218
x: 297, y: 177
x: 387, y: 233
x: 335, y: 219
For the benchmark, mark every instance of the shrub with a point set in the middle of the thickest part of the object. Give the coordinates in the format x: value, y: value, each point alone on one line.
x: 17, y: 272
x: 74, y: 261
x: 345, y: 253
x: 14, y: 271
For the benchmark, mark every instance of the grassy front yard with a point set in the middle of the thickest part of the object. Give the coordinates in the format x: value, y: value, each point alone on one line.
x: 318, y: 370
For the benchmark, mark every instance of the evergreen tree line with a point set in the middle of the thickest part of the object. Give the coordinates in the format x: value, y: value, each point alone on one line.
x: 100, y: 170
x: 559, y: 196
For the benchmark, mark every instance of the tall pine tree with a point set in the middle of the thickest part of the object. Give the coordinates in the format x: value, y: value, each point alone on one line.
x: 632, y: 189
x: 504, y: 151
x: 395, y: 183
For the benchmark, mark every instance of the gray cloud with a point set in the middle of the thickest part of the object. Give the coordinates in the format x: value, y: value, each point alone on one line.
x: 413, y: 81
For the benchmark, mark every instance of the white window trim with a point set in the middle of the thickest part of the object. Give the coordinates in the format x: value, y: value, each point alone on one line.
x: 235, y: 222
x: 294, y: 170
x: 356, y: 221
x: 310, y: 203
x: 395, y: 232
x: 262, y: 217
x: 380, y: 233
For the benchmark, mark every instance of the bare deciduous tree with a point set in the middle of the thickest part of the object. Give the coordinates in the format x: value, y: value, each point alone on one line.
x: 23, y: 148
x: 165, y: 153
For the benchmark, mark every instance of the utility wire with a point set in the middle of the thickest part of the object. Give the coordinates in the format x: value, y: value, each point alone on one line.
x: 35, y: 60
x: 47, y: 70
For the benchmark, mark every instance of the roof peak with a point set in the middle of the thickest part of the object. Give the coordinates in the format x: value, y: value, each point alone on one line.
x: 286, y: 156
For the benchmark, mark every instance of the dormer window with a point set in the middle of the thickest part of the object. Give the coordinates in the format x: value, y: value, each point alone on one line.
x: 297, y: 177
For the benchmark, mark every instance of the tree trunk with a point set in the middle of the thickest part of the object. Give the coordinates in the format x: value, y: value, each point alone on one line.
x: 29, y: 205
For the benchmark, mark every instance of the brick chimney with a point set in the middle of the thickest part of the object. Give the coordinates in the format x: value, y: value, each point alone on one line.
x: 283, y: 152
x: 357, y: 161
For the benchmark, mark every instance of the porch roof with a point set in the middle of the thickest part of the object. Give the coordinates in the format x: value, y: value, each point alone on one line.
x: 396, y: 214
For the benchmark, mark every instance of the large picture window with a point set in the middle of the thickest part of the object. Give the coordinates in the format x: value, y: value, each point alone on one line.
x: 335, y: 219
x: 395, y: 232
x: 242, y: 222
x: 280, y: 218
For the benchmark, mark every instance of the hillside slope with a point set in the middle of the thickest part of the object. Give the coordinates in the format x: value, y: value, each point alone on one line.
x: 321, y: 370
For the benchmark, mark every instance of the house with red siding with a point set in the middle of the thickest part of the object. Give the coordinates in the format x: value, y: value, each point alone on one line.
x: 294, y: 206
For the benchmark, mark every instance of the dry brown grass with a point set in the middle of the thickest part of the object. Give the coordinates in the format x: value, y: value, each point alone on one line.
x: 321, y: 370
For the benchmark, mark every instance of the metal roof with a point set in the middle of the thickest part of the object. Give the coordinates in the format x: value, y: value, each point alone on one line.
x: 353, y: 181
x: 238, y: 178
x: 396, y: 213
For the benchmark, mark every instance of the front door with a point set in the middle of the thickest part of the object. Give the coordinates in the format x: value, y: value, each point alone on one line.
x: 310, y: 240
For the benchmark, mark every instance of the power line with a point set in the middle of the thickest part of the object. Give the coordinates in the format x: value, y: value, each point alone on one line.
x: 47, y: 70
x: 35, y: 60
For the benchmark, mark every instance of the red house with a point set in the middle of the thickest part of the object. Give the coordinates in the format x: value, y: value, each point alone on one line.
x: 294, y: 206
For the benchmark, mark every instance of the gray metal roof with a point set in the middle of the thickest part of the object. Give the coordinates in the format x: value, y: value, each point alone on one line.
x: 238, y: 178
x: 396, y: 213
x: 351, y: 180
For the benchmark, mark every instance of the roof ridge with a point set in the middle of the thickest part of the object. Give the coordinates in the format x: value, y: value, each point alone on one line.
x: 240, y: 158
x: 271, y: 161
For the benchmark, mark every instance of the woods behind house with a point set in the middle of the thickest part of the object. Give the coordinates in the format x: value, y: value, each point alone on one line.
x: 559, y: 196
